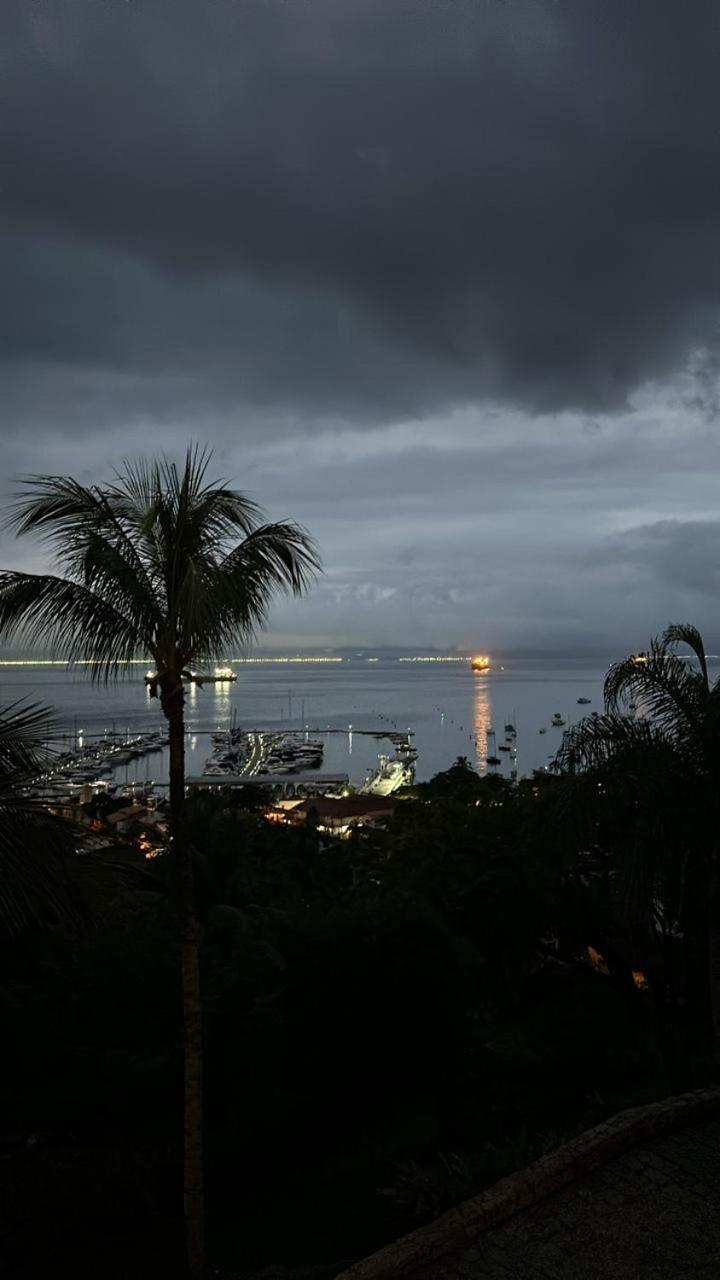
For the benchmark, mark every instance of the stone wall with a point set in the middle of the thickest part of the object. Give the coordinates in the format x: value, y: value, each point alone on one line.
x: 460, y: 1227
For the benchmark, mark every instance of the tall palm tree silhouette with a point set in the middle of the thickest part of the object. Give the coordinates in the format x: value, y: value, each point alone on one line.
x: 165, y: 565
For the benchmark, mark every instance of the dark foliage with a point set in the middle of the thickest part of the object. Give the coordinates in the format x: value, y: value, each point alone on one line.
x: 392, y: 1021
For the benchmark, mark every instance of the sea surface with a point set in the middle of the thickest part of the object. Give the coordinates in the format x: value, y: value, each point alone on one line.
x: 450, y: 710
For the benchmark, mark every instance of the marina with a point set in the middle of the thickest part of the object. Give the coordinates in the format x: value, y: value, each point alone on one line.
x: 97, y: 765
x: 238, y: 757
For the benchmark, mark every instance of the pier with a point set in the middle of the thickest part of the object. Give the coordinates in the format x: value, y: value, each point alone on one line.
x: 284, y: 783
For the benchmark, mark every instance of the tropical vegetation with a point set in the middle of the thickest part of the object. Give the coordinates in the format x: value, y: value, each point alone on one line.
x: 40, y: 879
x: 640, y: 782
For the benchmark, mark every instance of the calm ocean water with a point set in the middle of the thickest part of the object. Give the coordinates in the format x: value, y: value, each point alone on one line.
x: 450, y: 709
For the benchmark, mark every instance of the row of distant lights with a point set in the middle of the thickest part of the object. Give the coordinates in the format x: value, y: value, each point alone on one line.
x: 454, y: 659
x: 141, y: 662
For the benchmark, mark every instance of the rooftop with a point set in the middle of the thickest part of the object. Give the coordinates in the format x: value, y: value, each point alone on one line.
x: 346, y: 806
x: 127, y: 815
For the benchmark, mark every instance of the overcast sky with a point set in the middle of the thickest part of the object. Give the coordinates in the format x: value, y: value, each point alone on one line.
x: 439, y: 279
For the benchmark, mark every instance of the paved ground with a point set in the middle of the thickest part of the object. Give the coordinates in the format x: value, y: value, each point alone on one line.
x: 653, y: 1214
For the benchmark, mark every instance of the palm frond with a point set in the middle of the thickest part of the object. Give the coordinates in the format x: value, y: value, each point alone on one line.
x: 75, y: 622
x: 280, y: 557
x: 667, y: 689
x: 161, y: 563
x: 626, y: 795
x: 283, y: 553
x: 685, y: 633
x: 25, y: 729
x: 92, y: 545
x: 42, y: 878
x: 69, y: 516
x: 638, y: 796
x: 36, y: 871
x: 219, y: 605
x: 596, y: 741
x: 33, y: 844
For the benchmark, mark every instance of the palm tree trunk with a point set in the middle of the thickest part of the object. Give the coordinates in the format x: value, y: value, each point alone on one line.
x: 193, y: 1189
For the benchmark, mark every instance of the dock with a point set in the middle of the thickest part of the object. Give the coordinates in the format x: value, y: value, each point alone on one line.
x: 287, y: 783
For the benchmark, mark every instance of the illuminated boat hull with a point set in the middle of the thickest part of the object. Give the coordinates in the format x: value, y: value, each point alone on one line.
x: 200, y: 677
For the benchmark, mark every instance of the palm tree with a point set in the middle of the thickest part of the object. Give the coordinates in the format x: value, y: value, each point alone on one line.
x: 659, y: 776
x: 161, y: 564
x: 36, y: 870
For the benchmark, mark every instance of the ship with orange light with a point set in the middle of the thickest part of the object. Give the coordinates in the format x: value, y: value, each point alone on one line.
x: 480, y: 662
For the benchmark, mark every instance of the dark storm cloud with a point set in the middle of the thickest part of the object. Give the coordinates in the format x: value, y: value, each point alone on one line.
x: 488, y: 230
x: 677, y: 553
x: 363, y: 207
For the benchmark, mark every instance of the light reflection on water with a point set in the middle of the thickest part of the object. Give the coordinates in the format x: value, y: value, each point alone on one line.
x: 482, y: 721
x: 221, y: 702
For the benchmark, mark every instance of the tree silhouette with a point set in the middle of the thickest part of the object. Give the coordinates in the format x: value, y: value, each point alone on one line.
x: 165, y: 565
x: 657, y: 771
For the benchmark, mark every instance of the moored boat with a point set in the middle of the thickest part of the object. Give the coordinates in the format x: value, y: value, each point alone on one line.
x: 221, y: 675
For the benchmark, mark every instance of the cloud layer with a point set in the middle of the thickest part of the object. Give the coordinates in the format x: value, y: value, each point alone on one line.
x: 442, y: 264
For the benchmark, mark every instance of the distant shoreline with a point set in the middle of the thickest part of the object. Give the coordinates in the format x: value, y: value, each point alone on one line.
x: 338, y: 659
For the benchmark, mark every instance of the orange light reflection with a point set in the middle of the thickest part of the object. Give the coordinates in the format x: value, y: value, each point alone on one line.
x: 482, y: 722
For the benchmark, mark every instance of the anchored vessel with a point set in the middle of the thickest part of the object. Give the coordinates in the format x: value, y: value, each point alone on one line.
x: 221, y: 675
x: 393, y: 772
